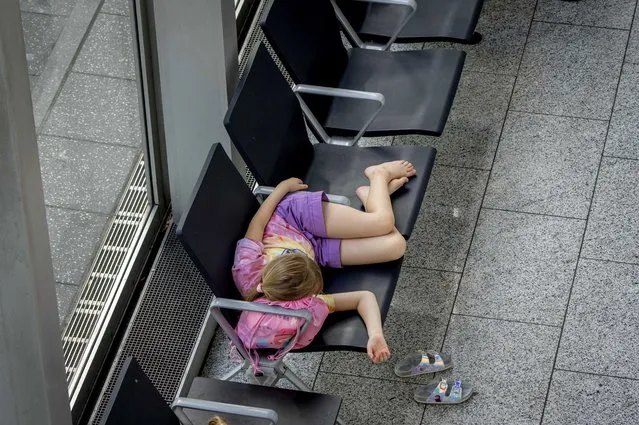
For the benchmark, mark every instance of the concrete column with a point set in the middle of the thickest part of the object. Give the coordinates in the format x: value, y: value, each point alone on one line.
x: 33, y: 388
x: 197, y: 60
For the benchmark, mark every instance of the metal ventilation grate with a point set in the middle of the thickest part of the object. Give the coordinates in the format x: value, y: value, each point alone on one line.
x: 166, y: 323
x: 104, y: 277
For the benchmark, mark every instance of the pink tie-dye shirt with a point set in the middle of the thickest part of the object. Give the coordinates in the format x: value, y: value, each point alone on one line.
x: 250, y: 259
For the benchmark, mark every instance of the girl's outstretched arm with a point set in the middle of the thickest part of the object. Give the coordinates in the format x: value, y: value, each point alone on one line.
x: 366, y: 305
x: 259, y: 221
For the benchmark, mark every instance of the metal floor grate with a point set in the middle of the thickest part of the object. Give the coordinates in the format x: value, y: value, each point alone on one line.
x: 105, y: 276
x: 165, y: 325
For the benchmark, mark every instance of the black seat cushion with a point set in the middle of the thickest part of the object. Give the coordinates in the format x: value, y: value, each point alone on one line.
x: 419, y: 87
x: 292, y: 407
x: 434, y: 20
x: 340, y: 170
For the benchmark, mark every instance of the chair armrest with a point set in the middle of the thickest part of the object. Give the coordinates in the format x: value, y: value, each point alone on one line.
x: 229, y: 304
x: 181, y: 403
x: 336, y: 199
x: 354, y: 37
x: 337, y: 92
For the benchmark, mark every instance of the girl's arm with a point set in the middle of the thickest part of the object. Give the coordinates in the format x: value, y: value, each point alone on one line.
x: 259, y: 221
x: 366, y: 305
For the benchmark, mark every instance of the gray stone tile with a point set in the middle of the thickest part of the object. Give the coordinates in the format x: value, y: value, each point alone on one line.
x: 509, y: 365
x: 472, y: 130
x: 40, y: 34
x: 599, y: 13
x: 402, y: 47
x: 613, y: 225
x: 445, y: 224
x: 52, y: 7
x: 504, y: 27
x: 577, y: 398
x: 84, y: 175
x: 624, y: 125
x: 601, y: 331
x: 74, y: 237
x: 417, y: 319
x: 375, y: 141
x: 520, y: 267
x: 108, y: 50
x: 96, y: 108
x: 564, y: 70
x: 118, y: 7
x: 219, y: 362
x: 65, y: 295
x: 632, y: 53
x: 370, y: 401
x: 546, y: 165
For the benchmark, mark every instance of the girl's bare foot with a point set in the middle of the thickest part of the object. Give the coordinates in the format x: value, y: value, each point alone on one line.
x: 393, y: 186
x: 377, y: 348
x: 391, y: 170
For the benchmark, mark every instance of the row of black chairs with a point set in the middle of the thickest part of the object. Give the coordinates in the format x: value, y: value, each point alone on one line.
x: 266, y: 121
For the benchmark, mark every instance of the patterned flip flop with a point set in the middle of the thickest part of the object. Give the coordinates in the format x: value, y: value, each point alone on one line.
x: 421, y: 362
x: 443, y: 393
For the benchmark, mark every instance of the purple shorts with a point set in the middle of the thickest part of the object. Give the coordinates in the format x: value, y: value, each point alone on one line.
x: 303, y: 210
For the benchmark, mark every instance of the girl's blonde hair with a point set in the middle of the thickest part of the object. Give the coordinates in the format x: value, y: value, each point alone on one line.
x: 216, y: 420
x: 289, y: 277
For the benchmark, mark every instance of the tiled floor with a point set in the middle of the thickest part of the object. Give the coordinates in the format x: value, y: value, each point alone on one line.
x: 524, y: 263
x: 89, y: 137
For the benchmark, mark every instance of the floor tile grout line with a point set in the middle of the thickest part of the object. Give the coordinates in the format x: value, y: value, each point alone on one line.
x: 501, y: 132
x: 610, y: 261
x: 621, y: 157
x: 92, y: 74
x: 534, y: 213
x: 53, y: 15
x: 559, y: 115
x: 597, y: 374
x: 583, y: 25
x: 463, y: 167
x: 78, y: 139
x: 75, y: 285
x: 58, y: 207
x: 389, y: 380
x: 319, y: 369
x: 523, y: 322
x: 431, y: 269
x: 583, y: 236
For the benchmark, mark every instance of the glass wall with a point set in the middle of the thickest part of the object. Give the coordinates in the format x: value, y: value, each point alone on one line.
x: 104, y: 203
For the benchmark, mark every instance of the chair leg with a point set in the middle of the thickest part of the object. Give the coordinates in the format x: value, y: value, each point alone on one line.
x: 476, y: 38
x: 294, y: 379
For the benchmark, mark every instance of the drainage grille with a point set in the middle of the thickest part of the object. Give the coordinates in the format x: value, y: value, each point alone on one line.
x: 164, y: 327
x: 105, y: 275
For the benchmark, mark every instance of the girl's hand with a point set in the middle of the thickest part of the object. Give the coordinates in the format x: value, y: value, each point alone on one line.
x: 377, y: 348
x: 293, y: 185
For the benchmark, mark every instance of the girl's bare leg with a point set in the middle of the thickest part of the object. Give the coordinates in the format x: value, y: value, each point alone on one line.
x: 372, y: 250
x: 393, y: 186
x: 344, y: 222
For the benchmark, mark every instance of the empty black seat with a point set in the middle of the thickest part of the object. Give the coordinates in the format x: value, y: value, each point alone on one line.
x: 136, y: 401
x: 217, y: 218
x: 266, y: 125
x: 434, y: 20
x: 418, y: 86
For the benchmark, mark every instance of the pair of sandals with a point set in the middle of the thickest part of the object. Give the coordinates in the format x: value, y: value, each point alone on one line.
x: 437, y: 392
